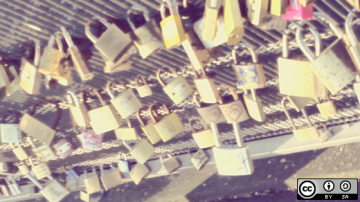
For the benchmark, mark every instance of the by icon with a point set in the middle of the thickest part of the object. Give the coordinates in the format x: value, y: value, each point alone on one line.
x: 328, y: 186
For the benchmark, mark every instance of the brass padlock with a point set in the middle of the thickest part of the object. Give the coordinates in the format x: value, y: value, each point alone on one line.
x: 206, y: 87
x: 92, y: 184
x: 220, y: 34
x: 9, y: 133
x: 210, y: 114
x: 14, y: 85
x: 304, y: 133
x: 76, y: 57
x: 123, y: 63
x: 84, y: 196
x: 178, y: 89
x: 234, y: 111
x: 327, y: 108
x: 126, y: 133
x: 51, y: 59
x: 143, y: 90
x: 41, y: 170
x: 36, y: 129
x: 43, y: 152
x: 333, y: 77
x: 149, y: 129
x: 254, y: 105
x: 139, y: 172
x: 23, y: 168
x: 78, y: 110
x: 308, y: 2
x: 30, y: 77
x: 147, y: 38
x: 257, y: 10
x: 199, y: 159
x: 248, y: 75
x: 203, y: 138
x: 211, y: 13
x: 4, y: 78
x: 298, y: 102
x: 112, y: 43
x: 110, y: 179
x: 64, y: 78
x: 19, y: 152
x: 126, y: 103
x: 234, y: 27
x: 142, y: 151
x: 103, y: 119
x: 171, y: 26
x: 278, y: 7
x: 171, y: 164
x: 169, y: 126
x: 55, y: 191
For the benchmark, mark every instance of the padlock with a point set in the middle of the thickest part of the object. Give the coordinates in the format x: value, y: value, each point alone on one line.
x: 299, y: 102
x: 199, y: 159
x: 143, y: 90
x: 19, y: 152
x: 84, y: 196
x: 139, y: 172
x: 43, y: 152
x: 90, y: 139
x: 76, y: 57
x: 210, y: 114
x: 112, y: 43
x: 104, y: 118
x: 30, y: 77
x: 334, y: 77
x: 147, y: 38
x: 171, y: 27
x: 13, y: 186
x: 171, y: 164
x: 149, y: 129
x: 110, y: 179
x: 78, y: 110
x: 64, y: 78
x: 353, y: 45
x: 4, y: 167
x: 126, y: 133
x: 120, y: 65
x: 354, y: 3
x: 296, y: 11
x: 211, y: 13
x: 14, y: 85
x: 220, y: 34
x: 64, y: 148
x: 142, y: 151
x: 71, y: 173
x: 196, y: 52
x: 178, y: 89
x: 233, y: 161
x: 51, y: 59
x: 327, y: 108
x: 304, y: 133
x: 9, y: 132
x: 126, y: 103
x: 256, y: 10
x: 23, y: 168
x: 203, y: 138
x: 92, y: 184
x: 206, y: 87
x: 55, y: 191
x: 278, y: 7
x: 4, y: 78
x: 248, y: 75
x: 4, y: 190
x: 234, y: 27
x: 234, y: 111
x: 169, y: 126
x: 306, y: 2
x: 123, y: 164
x: 254, y: 105
x: 41, y: 170
x: 325, y: 134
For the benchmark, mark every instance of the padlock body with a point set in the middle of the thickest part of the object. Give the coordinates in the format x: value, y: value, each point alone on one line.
x: 10, y: 133
x: 257, y: 10
x: 123, y: 166
x: 80, y: 115
x: 79, y: 64
x: 169, y: 126
x: 151, y: 133
x: 50, y: 62
x: 84, y: 196
x: 255, y: 108
x: 4, y: 79
x: 220, y: 35
x: 306, y: 133
x: 144, y: 90
x: 296, y: 11
x: 299, y: 102
x: 4, y: 190
x: 139, y: 172
x: 210, y: 20
x: 354, y: 52
x: 171, y: 165
x: 327, y: 109
x: 199, y: 159
x: 204, y: 138
x: 126, y: 103
x: 111, y: 180
x: 233, y: 22
x: 325, y: 135
x: 172, y: 31
x: 20, y: 153
x: 211, y: 114
x: 104, y: 119
x: 126, y: 134
x: 92, y: 184
x: 44, y: 152
x: 334, y: 77
x: 357, y: 90
x: 207, y: 90
x: 30, y: 78
x: 24, y: 169
x: 249, y: 76
x: 72, y: 174
x: 64, y: 148
x: 41, y: 171
x: 198, y: 55
x: 233, y: 161
x: 178, y: 89
x: 234, y: 112
x: 142, y: 151
x: 54, y: 191
x: 89, y: 139
x: 278, y: 7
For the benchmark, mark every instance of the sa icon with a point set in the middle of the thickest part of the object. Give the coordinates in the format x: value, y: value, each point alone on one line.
x: 307, y: 189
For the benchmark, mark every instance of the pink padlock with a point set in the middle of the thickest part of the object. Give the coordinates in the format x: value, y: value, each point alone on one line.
x: 91, y: 140
x: 296, y: 11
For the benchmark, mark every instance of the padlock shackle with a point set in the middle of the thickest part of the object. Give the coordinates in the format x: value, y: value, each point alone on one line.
x: 37, y: 52
x: 88, y: 32
x: 131, y: 10
x: 151, y: 110
x: 196, y: 75
x: 74, y: 98
x: 125, y: 158
x: 307, y: 52
x: 108, y: 90
x: 67, y: 37
x: 31, y: 161
x: 233, y: 93
x: 165, y: 69
x: 285, y: 38
x: 334, y: 26
x: 247, y: 47
x: 51, y: 41
x: 128, y: 122
x: 141, y: 78
x: 303, y: 111
x: 287, y: 113
x: 28, y: 138
x: 58, y: 41
x: 138, y: 116
x: 195, y: 98
x: 201, y: 121
x: 103, y: 103
x: 349, y: 30
x: 161, y: 157
x: 127, y: 146
x: 173, y: 8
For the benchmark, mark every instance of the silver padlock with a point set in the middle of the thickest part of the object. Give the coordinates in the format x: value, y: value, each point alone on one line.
x: 13, y: 186
x: 325, y: 134
x: 199, y: 159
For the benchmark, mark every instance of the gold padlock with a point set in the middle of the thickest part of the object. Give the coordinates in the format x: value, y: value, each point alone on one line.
x: 30, y: 77
x: 171, y: 26
x: 9, y: 132
x: 211, y: 13
x: 234, y: 27
x: 41, y: 170
x: 84, y: 196
x: 171, y: 164
x: 304, y: 133
x: 278, y: 7
x: 54, y: 191
x: 254, y: 105
x: 143, y: 90
x: 64, y: 78
x: 203, y: 138
x: 149, y: 129
x: 327, y: 108
x: 210, y: 114
x: 169, y: 126
x: 206, y: 87
x: 139, y: 172
x: 298, y: 102
x: 103, y: 119
x: 122, y: 64
x: 23, y: 168
x: 78, y: 110
x: 257, y: 10
x: 51, y: 59
x: 128, y: 133
x: 126, y: 103
x: 142, y: 150
x: 199, y: 159
x: 112, y: 179
x: 43, y: 152
x: 19, y: 152
x: 178, y: 89
x: 234, y: 111
x: 92, y: 184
